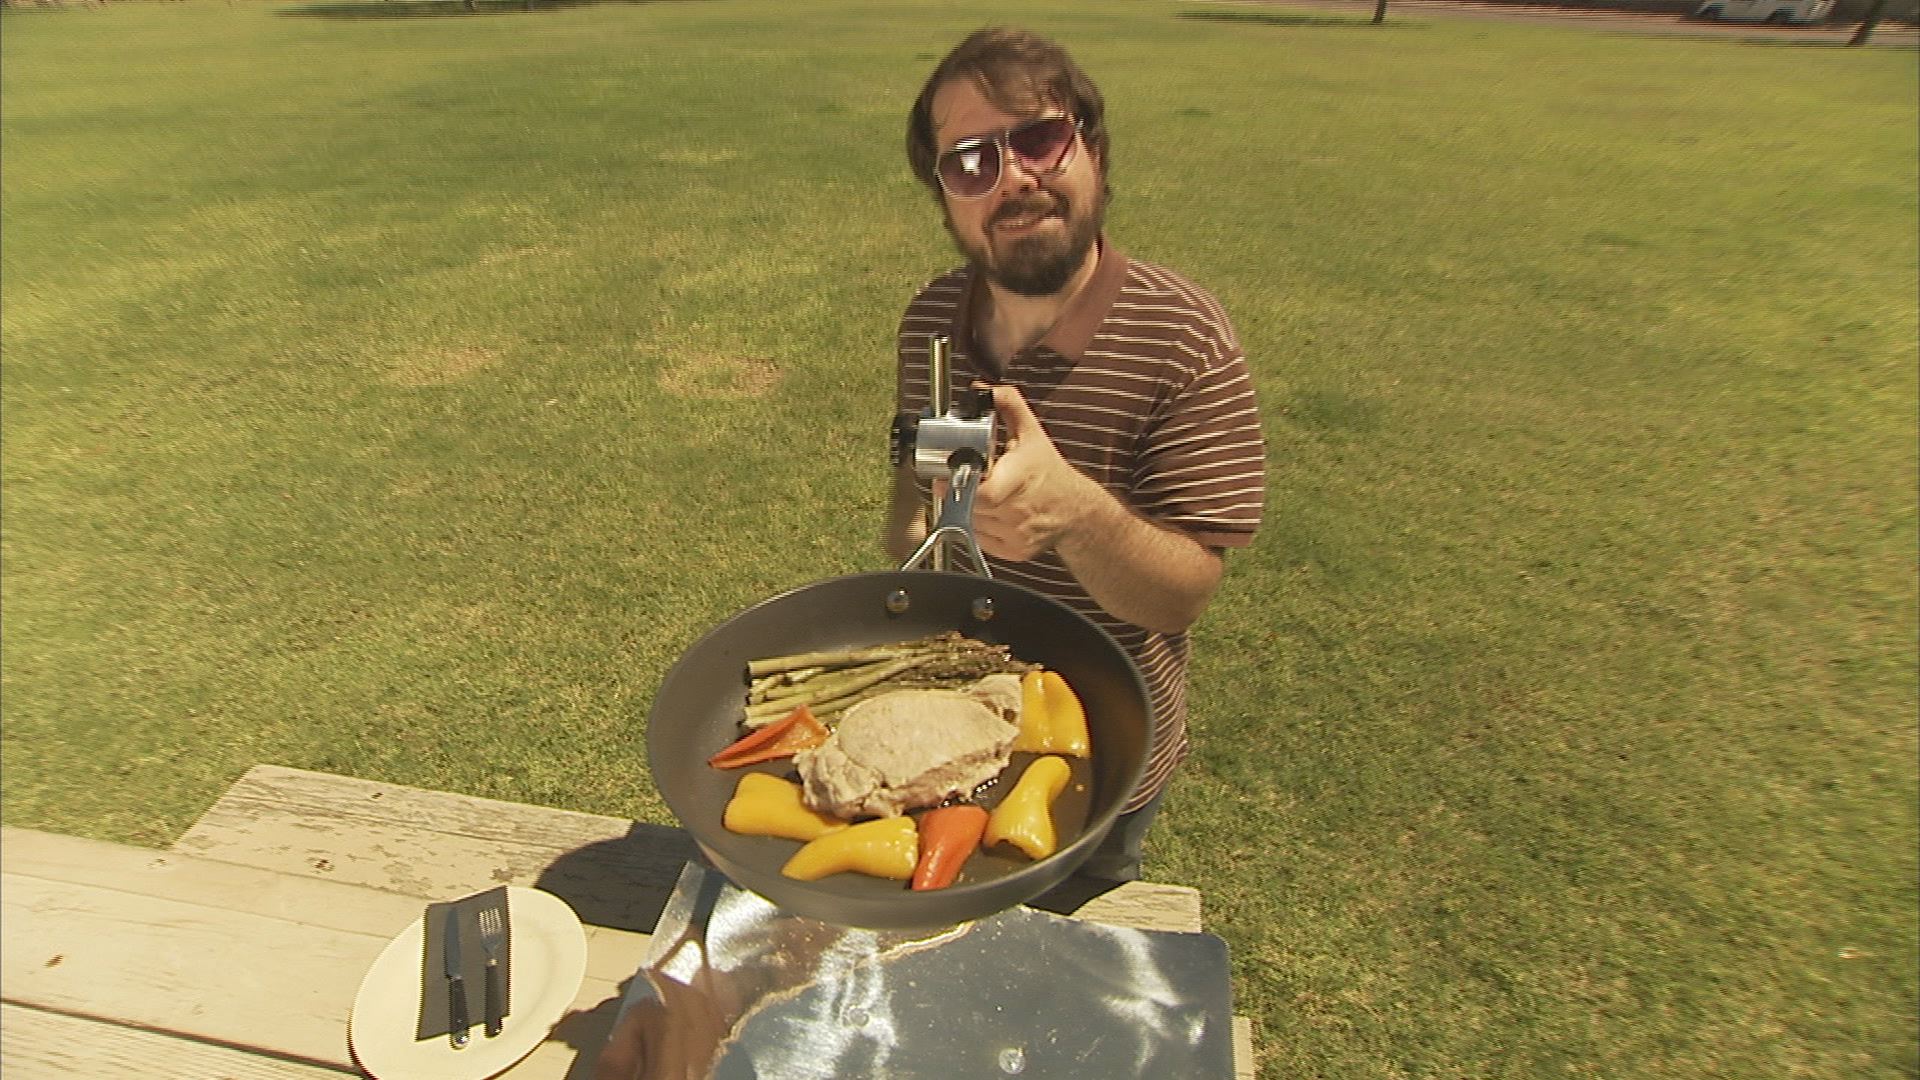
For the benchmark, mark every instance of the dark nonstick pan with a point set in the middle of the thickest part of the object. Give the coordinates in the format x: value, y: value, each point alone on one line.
x: 698, y: 708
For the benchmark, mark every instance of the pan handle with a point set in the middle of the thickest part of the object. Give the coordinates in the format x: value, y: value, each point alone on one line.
x: 954, y: 529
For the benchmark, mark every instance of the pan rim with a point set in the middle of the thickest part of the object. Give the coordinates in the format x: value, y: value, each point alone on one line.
x: 871, y: 903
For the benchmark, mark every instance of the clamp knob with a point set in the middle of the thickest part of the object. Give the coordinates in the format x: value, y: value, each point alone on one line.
x: 973, y: 402
x: 901, y: 440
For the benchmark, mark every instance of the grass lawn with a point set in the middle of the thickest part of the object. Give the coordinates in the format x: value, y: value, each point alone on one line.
x: 370, y: 383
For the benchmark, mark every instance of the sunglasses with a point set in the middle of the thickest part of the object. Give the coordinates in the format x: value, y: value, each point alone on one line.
x: 973, y: 166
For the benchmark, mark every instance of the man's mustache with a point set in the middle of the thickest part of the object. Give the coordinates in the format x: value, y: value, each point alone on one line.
x: 1028, y: 205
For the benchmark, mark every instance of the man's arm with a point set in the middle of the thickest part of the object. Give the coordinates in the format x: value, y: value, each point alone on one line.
x: 1149, y: 574
x: 1033, y: 500
x: 906, y: 516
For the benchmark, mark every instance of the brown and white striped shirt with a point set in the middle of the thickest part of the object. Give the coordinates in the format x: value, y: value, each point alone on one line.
x: 1141, y: 384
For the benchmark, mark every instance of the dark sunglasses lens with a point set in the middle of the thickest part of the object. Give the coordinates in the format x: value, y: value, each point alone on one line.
x: 970, y: 170
x: 1042, y: 143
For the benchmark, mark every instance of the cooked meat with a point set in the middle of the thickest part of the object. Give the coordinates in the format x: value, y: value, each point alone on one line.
x: 905, y: 749
x: 1001, y: 693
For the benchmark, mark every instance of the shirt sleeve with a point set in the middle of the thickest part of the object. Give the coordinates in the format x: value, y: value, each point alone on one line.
x: 1203, y: 468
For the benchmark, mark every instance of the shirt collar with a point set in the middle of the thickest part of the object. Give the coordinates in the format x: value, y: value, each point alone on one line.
x: 1073, y: 331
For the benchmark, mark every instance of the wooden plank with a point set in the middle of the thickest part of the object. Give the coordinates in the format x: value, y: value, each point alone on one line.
x: 1144, y: 905
x: 204, y: 971
x: 616, y: 873
x: 613, y: 956
x: 613, y: 872
x: 1245, y: 1065
x: 613, y: 959
x: 129, y: 939
x: 40, y: 1045
x: 216, y: 884
x: 576, y: 1040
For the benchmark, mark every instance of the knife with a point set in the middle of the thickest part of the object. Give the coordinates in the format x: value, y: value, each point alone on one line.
x: 456, y: 985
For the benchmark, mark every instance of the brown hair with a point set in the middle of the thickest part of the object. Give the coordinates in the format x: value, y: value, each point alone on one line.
x: 1021, y: 73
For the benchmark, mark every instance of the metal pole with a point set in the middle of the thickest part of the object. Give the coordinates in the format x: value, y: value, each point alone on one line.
x: 939, y: 399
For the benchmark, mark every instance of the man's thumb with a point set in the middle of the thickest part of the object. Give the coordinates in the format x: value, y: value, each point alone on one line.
x: 1014, y: 412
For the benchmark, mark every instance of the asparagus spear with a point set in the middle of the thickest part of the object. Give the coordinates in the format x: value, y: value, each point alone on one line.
x: 810, y: 686
x: 829, y: 681
x: 836, y: 658
x: 825, y: 689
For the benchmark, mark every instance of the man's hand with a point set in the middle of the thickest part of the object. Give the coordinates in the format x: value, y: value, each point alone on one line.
x: 1032, y: 498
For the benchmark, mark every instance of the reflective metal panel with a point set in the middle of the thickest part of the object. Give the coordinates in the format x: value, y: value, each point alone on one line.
x: 737, y: 989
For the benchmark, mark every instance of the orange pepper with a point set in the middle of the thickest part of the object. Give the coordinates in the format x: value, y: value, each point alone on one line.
x: 783, y: 738
x: 949, y: 835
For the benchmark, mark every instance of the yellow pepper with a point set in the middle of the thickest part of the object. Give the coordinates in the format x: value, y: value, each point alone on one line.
x: 764, y: 805
x: 1051, y: 718
x: 1025, y: 817
x: 884, y: 847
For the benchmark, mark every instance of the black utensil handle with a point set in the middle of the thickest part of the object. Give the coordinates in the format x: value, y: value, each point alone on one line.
x: 496, y: 1003
x: 457, y: 1022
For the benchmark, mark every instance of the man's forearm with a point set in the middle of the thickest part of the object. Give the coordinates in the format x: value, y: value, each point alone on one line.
x: 906, y: 517
x: 1151, y: 575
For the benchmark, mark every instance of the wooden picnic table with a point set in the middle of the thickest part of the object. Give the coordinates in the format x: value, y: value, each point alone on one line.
x: 238, y: 951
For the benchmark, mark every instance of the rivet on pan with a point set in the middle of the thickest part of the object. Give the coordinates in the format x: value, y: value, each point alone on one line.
x: 982, y: 608
x: 898, y: 602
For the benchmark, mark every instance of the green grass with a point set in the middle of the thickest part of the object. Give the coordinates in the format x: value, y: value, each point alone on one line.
x: 366, y: 380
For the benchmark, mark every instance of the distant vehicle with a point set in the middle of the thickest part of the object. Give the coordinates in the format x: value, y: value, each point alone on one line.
x: 1778, y: 12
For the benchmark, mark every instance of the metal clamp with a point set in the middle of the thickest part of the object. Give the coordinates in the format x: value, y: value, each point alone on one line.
x: 954, y: 528
x: 951, y: 440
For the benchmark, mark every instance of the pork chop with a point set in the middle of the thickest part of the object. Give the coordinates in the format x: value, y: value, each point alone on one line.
x: 905, y: 749
x: 1000, y: 692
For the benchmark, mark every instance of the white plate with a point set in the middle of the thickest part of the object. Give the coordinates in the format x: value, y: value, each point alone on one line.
x: 549, y: 958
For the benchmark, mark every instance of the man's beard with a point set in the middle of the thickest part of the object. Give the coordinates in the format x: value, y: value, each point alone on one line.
x: 1035, y: 265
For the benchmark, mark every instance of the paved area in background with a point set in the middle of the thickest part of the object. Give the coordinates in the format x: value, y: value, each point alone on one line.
x: 1893, y: 35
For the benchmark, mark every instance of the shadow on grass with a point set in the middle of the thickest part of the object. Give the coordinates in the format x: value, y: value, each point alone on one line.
x: 425, y: 9
x: 1295, y: 18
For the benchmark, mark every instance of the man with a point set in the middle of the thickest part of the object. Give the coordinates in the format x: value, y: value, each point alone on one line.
x: 1133, y: 453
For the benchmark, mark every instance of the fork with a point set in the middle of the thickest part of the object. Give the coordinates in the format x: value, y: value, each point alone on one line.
x: 493, y: 935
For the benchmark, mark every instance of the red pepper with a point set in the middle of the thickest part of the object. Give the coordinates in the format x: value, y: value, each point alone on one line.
x: 782, y: 738
x: 949, y: 835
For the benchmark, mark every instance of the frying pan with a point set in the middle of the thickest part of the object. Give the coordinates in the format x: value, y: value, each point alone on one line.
x: 698, y: 708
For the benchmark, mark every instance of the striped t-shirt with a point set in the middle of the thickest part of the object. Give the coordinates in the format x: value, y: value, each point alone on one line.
x: 1142, y: 386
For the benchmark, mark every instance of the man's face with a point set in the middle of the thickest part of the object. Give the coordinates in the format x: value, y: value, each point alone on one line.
x: 1030, y: 233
